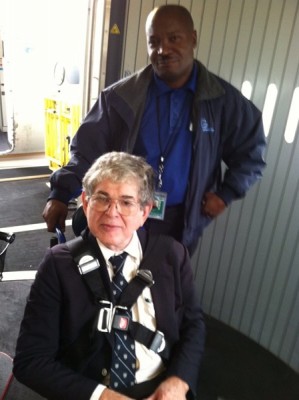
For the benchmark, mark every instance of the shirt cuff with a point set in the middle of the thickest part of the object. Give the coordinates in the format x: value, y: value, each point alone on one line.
x: 97, y: 392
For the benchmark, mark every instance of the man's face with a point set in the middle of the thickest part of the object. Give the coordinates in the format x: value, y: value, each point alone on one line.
x: 112, y: 228
x: 170, y: 46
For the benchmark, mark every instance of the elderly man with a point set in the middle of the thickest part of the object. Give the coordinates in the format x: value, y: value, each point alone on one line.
x: 113, y: 314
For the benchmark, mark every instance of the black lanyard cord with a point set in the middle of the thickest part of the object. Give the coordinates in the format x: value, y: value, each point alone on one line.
x: 166, y: 151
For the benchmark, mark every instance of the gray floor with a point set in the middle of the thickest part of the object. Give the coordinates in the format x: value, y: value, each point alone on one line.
x: 12, y: 299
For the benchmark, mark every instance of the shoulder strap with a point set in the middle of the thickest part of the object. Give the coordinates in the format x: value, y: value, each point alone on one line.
x: 88, y: 266
x: 143, y: 278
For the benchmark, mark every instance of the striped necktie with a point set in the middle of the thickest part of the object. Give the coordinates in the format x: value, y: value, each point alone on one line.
x: 123, y: 366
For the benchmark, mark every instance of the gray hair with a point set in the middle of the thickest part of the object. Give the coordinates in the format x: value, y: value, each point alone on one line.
x: 122, y: 167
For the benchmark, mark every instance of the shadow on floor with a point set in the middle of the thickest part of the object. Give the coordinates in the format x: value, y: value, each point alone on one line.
x: 237, y: 368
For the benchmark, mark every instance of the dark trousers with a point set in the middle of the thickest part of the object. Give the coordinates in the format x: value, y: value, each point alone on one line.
x: 172, y: 224
x: 145, y: 389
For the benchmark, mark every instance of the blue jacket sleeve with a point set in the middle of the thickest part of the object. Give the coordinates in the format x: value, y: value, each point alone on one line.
x: 244, y: 145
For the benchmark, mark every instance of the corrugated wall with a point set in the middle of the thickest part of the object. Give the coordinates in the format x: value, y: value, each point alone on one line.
x: 247, y: 262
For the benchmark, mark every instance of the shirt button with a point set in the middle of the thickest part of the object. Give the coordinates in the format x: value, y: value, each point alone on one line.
x: 137, y: 365
x: 104, y: 372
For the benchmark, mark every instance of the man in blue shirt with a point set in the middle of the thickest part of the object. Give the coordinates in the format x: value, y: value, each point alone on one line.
x: 184, y: 120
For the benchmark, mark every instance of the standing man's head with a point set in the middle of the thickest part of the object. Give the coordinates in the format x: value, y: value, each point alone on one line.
x: 118, y: 193
x: 171, y: 40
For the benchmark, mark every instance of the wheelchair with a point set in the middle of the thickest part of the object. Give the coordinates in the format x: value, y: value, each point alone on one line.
x: 10, y: 388
x: 8, y: 238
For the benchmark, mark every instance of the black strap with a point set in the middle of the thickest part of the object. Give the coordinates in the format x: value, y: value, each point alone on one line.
x: 135, y: 287
x: 151, y: 339
x: 80, y: 247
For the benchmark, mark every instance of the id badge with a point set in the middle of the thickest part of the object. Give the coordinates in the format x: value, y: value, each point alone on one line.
x: 158, y: 211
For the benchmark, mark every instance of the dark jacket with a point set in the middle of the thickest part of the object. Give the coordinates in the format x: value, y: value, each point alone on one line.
x: 226, y: 128
x: 61, y: 312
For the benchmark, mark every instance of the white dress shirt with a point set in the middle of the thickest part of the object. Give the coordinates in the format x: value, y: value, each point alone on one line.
x: 149, y: 363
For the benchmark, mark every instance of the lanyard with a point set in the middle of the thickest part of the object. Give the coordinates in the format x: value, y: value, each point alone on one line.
x: 166, y: 151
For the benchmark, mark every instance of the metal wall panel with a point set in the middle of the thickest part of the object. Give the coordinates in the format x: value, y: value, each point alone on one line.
x: 247, y: 262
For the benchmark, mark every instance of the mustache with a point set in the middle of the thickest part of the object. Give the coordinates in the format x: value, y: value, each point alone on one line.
x: 164, y: 58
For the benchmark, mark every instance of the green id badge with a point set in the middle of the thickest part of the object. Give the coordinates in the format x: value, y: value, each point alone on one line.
x: 158, y: 210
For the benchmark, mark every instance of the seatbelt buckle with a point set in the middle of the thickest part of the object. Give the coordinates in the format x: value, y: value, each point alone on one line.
x: 121, y: 322
x: 146, y: 275
x: 158, y: 343
x: 106, y: 314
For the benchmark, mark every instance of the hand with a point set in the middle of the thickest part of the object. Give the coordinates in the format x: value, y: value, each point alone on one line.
x: 109, y: 394
x: 212, y: 205
x: 55, y: 214
x: 172, y: 388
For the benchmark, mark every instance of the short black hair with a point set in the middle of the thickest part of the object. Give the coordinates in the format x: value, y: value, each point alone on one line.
x: 177, y: 9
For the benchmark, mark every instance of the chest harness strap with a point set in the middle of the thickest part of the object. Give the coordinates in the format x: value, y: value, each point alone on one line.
x: 89, y: 268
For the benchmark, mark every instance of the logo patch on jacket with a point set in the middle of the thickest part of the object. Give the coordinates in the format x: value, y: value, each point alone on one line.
x: 205, y: 126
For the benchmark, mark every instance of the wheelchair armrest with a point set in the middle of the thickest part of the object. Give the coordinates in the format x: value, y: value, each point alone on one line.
x: 7, y: 237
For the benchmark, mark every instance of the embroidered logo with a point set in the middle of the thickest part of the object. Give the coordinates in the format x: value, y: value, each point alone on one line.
x: 205, y: 126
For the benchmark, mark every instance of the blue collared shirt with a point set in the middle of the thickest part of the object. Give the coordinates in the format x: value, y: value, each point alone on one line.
x: 165, y: 131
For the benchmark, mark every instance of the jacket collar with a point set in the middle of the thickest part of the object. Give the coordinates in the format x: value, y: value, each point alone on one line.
x: 208, y: 85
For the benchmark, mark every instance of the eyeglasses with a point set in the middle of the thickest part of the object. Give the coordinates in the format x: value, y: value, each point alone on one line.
x: 125, y: 207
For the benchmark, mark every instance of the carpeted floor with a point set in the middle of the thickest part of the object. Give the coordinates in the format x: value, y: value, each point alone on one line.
x: 23, y: 173
x: 234, y: 367
x: 22, y: 203
x: 13, y: 299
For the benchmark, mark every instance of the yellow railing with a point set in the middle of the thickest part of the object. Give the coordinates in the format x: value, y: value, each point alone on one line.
x: 62, y: 120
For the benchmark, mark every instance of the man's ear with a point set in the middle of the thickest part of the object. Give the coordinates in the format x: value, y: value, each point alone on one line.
x: 194, y: 34
x: 146, y: 211
x: 84, y: 201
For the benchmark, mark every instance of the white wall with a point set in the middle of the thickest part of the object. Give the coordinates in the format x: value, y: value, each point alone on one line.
x: 37, y: 34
